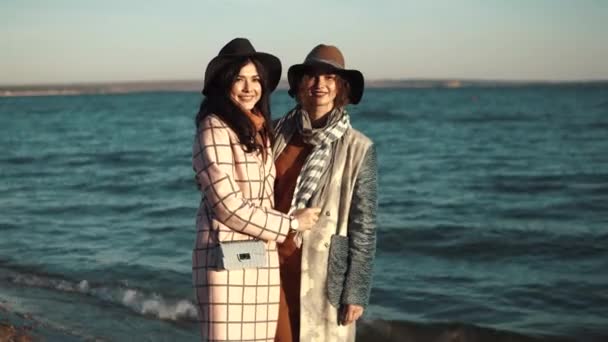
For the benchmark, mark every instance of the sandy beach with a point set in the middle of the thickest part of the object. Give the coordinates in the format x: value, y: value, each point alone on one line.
x: 13, y: 327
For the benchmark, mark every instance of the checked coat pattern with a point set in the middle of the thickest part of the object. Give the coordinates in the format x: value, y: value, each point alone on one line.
x: 237, y: 197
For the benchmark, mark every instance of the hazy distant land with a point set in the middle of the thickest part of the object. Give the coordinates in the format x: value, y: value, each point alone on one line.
x: 194, y: 86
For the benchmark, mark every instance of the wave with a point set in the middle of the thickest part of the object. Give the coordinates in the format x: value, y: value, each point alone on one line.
x: 123, y: 158
x: 79, y: 159
x: 136, y: 300
x: 384, y: 115
x: 491, y: 244
x: 179, y: 184
x: 367, y: 330
x: 108, y: 187
x: 160, y: 307
x: 6, y: 226
x: 404, y: 331
x: 597, y: 126
x: 543, y: 183
x: 526, y: 187
x: 173, y: 211
x: 18, y: 160
x: 490, y: 118
x: 603, y: 104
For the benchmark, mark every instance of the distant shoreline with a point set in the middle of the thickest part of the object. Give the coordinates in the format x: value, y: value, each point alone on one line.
x: 195, y: 86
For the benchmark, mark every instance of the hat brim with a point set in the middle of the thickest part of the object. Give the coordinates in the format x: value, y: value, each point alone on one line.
x: 353, y: 77
x: 271, y: 64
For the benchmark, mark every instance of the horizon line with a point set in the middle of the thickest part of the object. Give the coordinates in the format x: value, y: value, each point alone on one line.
x: 283, y: 82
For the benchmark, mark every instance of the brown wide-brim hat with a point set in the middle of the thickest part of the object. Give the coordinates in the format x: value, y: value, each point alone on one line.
x: 238, y: 48
x: 327, y: 57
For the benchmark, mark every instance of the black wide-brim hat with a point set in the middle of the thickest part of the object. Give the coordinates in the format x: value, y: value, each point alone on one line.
x: 327, y: 58
x: 239, y: 48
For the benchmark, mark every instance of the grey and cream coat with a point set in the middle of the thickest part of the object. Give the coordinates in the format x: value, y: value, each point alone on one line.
x: 346, y: 194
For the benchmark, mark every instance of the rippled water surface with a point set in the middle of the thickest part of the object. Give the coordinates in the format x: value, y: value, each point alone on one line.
x: 493, y: 209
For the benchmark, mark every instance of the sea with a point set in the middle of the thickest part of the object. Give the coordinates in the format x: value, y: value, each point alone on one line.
x: 493, y: 210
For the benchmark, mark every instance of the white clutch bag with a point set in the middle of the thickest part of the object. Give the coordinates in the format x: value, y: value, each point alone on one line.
x: 238, y: 255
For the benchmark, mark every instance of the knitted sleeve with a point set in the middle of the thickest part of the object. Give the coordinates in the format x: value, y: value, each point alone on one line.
x: 362, y: 233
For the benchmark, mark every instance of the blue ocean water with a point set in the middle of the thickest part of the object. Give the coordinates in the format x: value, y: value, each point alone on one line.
x: 493, y: 210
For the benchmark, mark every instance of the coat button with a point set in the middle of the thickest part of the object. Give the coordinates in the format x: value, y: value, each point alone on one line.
x: 327, y: 213
x: 326, y: 244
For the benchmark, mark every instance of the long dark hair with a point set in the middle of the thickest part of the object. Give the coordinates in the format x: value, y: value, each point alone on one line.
x: 218, y: 102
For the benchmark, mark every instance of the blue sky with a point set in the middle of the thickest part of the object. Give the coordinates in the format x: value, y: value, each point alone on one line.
x: 63, y: 41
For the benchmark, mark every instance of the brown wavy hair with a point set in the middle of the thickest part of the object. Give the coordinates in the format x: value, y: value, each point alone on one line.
x: 342, y: 86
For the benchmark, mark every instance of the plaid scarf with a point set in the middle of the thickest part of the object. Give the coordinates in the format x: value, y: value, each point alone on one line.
x: 316, y: 163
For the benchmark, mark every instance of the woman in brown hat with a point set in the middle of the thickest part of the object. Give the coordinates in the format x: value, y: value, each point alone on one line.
x: 323, y: 162
x: 235, y: 262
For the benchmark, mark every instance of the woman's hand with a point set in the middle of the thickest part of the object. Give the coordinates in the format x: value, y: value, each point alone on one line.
x: 350, y: 313
x: 307, y: 217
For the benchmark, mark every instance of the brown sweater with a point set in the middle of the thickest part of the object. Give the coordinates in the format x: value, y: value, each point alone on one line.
x: 288, y: 167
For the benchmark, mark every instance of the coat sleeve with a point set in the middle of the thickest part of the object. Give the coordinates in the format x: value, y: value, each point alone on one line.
x: 213, y: 163
x: 362, y: 233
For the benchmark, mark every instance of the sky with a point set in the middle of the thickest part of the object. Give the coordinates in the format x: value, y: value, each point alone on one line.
x: 75, y: 41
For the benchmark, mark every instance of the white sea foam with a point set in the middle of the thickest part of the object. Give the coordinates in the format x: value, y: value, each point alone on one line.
x: 83, y: 286
x: 156, y: 305
x: 150, y: 304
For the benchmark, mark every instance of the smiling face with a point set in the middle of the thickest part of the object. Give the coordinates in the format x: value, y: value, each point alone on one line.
x: 246, y: 88
x: 318, y: 91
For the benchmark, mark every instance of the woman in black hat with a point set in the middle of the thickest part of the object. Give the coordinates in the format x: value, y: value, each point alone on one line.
x: 322, y: 161
x: 236, y: 283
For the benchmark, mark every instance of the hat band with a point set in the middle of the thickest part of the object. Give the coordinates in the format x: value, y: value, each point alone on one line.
x: 324, y: 61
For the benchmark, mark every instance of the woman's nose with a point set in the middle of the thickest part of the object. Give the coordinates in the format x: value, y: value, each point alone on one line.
x: 320, y: 80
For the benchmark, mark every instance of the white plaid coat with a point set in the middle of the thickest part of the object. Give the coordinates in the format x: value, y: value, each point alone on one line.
x: 237, y: 197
